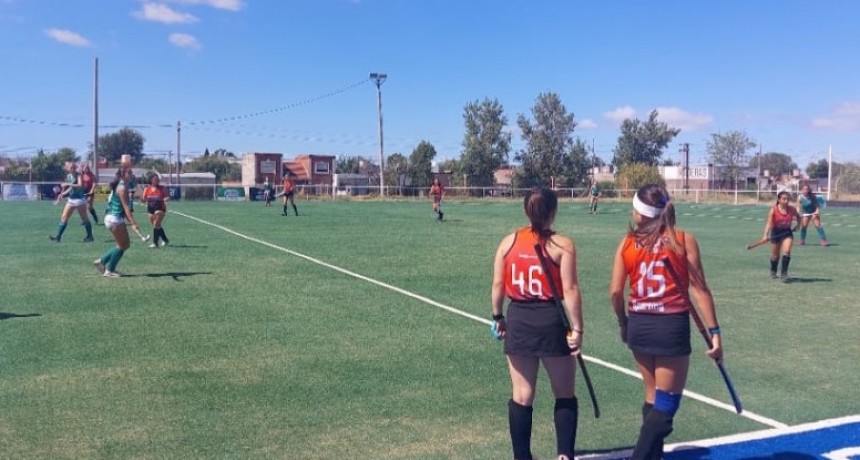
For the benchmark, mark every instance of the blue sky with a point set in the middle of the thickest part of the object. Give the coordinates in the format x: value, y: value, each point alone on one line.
x: 292, y: 76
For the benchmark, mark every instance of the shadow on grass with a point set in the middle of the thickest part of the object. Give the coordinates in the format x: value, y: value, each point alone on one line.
x: 808, y: 280
x: 175, y: 275
x: 15, y: 315
x: 185, y: 246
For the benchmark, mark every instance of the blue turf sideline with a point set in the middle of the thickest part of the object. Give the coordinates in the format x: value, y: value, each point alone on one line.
x: 834, y: 439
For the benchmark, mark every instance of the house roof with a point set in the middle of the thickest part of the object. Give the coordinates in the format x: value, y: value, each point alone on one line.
x: 298, y: 169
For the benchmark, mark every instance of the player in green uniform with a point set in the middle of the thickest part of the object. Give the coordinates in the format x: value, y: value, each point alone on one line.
x: 76, y: 199
x: 118, y: 213
x: 809, y: 206
x: 593, y: 194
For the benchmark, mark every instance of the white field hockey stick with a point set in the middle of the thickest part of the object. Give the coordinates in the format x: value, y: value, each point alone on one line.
x: 143, y: 237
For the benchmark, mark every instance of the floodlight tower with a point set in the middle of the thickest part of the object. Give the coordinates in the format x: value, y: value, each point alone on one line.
x: 379, y: 78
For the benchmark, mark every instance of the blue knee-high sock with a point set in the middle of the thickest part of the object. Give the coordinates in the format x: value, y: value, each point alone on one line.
x: 89, y: 227
x: 61, y: 228
x: 821, y: 233
x: 105, y: 258
x: 114, y: 259
x: 803, y: 234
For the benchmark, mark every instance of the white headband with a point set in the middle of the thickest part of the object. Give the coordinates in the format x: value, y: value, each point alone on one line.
x: 644, y: 209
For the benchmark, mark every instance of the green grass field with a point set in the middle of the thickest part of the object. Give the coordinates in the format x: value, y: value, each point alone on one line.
x: 243, y: 339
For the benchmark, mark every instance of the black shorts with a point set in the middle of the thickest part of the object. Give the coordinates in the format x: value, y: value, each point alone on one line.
x: 154, y: 209
x: 535, y: 329
x: 661, y: 335
x: 778, y: 235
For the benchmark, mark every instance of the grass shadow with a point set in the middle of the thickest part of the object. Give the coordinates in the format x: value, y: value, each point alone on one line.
x: 175, y: 275
x: 808, y: 280
x: 16, y: 315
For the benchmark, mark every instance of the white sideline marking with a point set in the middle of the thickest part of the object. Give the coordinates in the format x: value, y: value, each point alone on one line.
x: 687, y: 393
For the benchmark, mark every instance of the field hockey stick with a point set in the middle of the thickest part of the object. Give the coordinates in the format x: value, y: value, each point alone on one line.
x: 557, y: 300
x: 701, y: 326
x: 756, y: 243
x: 143, y: 237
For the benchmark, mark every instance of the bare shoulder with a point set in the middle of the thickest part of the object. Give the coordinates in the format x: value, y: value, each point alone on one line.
x: 563, y: 242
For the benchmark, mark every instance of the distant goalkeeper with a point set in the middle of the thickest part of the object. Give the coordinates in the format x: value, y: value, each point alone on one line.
x: 436, y: 193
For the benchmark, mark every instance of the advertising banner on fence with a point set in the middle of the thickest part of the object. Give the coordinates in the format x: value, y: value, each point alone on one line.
x: 230, y: 193
x: 20, y: 192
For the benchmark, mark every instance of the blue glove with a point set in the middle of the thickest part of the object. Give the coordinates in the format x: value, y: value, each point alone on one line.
x: 494, y: 329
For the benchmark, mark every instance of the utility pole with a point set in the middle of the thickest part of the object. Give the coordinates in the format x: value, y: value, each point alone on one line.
x: 178, y: 157
x: 379, y: 78
x: 758, y: 174
x: 96, y: 121
x: 685, y: 149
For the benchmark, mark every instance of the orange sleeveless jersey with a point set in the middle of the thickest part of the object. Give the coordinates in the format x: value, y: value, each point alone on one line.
x: 652, y: 288
x: 436, y: 190
x: 288, y: 185
x: 154, y: 196
x: 525, y: 280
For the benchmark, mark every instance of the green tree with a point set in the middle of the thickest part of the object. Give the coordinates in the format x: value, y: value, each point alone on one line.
x: 548, y: 141
x: 347, y: 165
x: 16, y: 170
x: 420, y: 163
x: 51, y: 167
x: 576, y: 166
x: 631, y: 176
x: 455, y: 167
x: 220, y: 166
x: 224, y: 153
x: 730, y: 151
x: 775, y: 163
x: 156, y: 164
x: 849, y: 180
x: 819, y: 169
x: 486, y: 145
x: 396, y: 170
x: 125, y: 141
x: 643, y: 142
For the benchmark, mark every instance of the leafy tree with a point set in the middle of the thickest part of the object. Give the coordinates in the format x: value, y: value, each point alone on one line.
x: 224, y: 153
x: 775, y: 163
x: 730, y: 151
x: 548, y: 141
x: 631, y: 176
x: 51, y: 167
x: 125, y: 141
x: 849, y: 179
x: 223, y: 169
x: 576, y: 165
x: 346, y: 165
x: 16, y: 170
x: 643, y: 142
x: 396, y: 169
x: 420, y: 162
x: 455, y: 167
x: 486, y: 145
x: 819, y: 169
x: 206, y: 152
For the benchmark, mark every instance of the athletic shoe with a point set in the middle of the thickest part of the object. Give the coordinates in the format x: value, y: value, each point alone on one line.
x: 825, y: 243
x: 153, y: 245
x: 801, y: 243
x: 53, y: 238
x: 783, y: 277
x: 110, y: 274
x: 88, y: 239
x: 99, y: 266
x: 441, y: 215
x: 773, y: 274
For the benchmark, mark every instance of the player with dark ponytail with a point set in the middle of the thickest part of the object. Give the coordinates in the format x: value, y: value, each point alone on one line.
x: 534, y: 331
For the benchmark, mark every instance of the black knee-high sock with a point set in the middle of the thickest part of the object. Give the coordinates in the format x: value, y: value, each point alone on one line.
x: 162, y: 235
x: 295, y: 209
x: 656, y: 426
x: 774, y: 263
x: 520, y: 422
x: 646, y: 409
x: 785, y: 261
x: 285, y: 210
x: 566, y: 418
x: 95, y: 216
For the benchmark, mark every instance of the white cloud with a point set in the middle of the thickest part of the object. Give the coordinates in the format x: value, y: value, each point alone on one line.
x: 184, y: 41
x: 231, y: 5
x: 678, y: 118
x: 157, y: 12
x: 67, y: 36
x: 620, y: 114
x: 586, y: 124
x: 845, y: 117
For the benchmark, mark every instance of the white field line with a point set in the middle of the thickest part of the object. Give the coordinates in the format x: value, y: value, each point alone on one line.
x: 687, y: 393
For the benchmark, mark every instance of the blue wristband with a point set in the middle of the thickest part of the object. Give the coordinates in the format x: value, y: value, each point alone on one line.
x: 714, y: 330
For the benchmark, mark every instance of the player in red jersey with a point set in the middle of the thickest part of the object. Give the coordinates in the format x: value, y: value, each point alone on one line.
x: 436, y: 193
x: 654, y: 322
x: 155, y: 196
x: 88, y: 180
x: 534, y: 331
x: 779, y: 230
x: 289, y: 193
